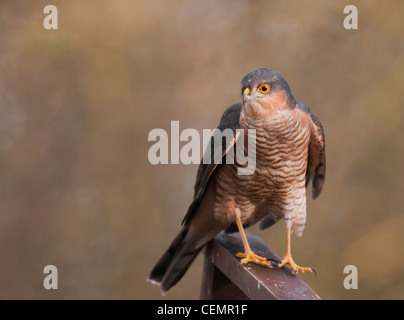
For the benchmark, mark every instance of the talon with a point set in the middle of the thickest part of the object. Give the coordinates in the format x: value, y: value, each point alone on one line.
x: 274, y: 263
x: 295, y: 268
x: 289, y: 260
x: 250, y: 256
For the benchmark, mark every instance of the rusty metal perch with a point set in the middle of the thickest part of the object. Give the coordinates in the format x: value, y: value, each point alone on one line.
x: 224, y: 277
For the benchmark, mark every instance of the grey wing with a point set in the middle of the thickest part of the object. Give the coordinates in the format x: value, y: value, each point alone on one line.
x: 316, y: 157
x: 229, y: 120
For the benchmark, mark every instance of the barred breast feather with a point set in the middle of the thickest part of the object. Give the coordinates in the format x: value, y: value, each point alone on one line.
x: 278, y: 186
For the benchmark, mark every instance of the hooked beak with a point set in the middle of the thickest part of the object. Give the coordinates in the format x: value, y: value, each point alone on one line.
x: 247, y: 95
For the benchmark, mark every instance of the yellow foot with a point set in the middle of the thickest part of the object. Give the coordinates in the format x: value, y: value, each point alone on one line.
x: 250, y: 256
x: 295, y: 268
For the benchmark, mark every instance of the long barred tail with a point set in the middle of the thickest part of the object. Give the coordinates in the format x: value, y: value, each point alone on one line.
x: 174, y: 262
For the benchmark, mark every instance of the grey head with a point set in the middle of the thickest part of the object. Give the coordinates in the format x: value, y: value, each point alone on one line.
x: 265, y: 76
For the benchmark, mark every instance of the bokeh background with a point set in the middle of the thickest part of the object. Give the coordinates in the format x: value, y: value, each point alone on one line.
x: 77, y: 105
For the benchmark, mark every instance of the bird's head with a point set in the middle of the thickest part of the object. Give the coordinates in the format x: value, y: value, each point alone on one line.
x: 265, y: 92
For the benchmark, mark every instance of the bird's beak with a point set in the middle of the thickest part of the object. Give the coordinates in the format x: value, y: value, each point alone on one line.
x: 247, y: 94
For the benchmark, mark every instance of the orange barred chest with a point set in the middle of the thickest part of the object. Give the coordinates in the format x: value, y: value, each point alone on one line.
x: 281, y: 163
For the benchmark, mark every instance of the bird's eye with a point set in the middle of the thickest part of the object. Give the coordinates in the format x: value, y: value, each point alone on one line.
x: 264, y: 88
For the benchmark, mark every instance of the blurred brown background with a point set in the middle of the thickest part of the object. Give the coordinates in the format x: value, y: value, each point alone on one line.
x: 77, y: 104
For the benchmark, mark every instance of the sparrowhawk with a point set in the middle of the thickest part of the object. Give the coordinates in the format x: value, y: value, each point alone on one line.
x: 290, y: 152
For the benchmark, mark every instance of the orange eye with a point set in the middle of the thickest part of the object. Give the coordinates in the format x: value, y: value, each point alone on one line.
x: 264, y: 88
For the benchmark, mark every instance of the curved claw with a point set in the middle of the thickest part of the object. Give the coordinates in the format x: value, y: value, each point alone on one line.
x: 250, y: 256
x: 295, y: 268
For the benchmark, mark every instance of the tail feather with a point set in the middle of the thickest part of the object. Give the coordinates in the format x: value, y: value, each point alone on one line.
x: 175, y: 262
x: 160, y: 269
x: 188, y: 243
x: 179, y: 265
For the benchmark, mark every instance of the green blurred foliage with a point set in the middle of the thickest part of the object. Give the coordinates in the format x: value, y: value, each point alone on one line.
x: 77, y: 104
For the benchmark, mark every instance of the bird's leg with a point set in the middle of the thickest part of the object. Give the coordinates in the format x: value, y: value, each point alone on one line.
x: 288, y: 257
x: 248, y: 255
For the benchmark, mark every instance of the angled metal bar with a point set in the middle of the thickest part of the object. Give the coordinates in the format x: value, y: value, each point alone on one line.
x: 225, y: 278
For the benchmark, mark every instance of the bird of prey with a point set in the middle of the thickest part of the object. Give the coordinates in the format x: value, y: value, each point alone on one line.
x: 290, y: 152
